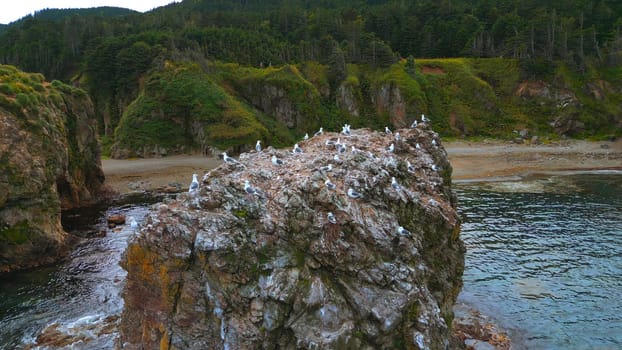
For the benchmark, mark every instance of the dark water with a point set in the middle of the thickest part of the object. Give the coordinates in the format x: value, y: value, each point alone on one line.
x: 78, y: 296
x: 544, y: 258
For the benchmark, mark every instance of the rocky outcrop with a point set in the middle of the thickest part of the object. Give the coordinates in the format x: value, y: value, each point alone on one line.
x: 49, y: 159
x: 290, y: 263
x: 388, y: 100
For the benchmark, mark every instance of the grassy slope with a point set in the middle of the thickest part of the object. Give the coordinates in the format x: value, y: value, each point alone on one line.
x: 463, y: 98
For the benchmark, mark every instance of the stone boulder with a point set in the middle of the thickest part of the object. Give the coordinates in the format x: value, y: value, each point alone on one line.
x: 293, y: 264
x: 49, y: 160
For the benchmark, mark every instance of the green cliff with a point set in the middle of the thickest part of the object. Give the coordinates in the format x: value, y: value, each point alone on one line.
x: 49, y: 160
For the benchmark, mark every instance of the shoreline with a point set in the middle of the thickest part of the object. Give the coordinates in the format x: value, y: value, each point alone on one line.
x: 486, y: 161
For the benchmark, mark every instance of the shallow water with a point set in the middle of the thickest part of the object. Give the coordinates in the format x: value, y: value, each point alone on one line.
x: 76, y: 296
x: 544, y: 258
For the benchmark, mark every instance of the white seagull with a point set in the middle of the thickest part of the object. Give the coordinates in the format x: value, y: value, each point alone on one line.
x: 331, y: 218
x: 397, y: 137
x: 417, y: 146
x: 306, y: 136
x: 228, y: 159
x: 434, y: 142
x: 319, y: 132
x: 410, y: 167
x: 258, y: 146
x: 414, y: 124
x: 423, y: 119
x: 330, y: 185
x: 248, y: 188
x: 353, y: 194
x: 341, y: 147
x: 404, y: 232
x: 394, y: 184
x: 391, y: 148
x: 194, y: 185
x: 277, y: 161
x: 297, y: 149
x: 328, y: 167
x: 387, y: 130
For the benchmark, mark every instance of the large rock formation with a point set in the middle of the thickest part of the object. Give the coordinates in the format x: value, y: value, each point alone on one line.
x: 49, y: 159
x: 227, y: 269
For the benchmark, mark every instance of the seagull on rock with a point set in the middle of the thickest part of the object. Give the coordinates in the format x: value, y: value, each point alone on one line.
x: 248, y: 188
x: 228, y: 159
x: 330, y: 185
x: 414, y: 124
x: 417, y: 146
x: 297, y: 149
x: 391, y: 148
x: 353, y: 194
x: 258, y: 146
x: 346, y: 129
x: 319, y: 132
x: 331, y: 218
x: 434, y: 143
x: 404, y: 232
x: 341, y: 147
x: 397, y: 137
x: 424, y: 119
x: 277, y: 161
x: 394, y: 184
x: 306, y: 136
x: 410, y: 167
x: 194, y: 185
x: 387, y: 130
x: 328, y: 167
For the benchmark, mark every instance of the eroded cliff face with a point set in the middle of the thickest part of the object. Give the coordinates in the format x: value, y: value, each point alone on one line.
x: 49, y: 159
x: 294, y: 264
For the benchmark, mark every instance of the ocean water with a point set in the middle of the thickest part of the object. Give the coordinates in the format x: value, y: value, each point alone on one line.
x: 544, y: 259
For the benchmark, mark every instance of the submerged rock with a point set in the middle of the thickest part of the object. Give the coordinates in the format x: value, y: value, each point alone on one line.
x: 267, y: 267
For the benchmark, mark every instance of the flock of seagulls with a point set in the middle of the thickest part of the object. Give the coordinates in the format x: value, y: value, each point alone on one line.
x: 341, y: 148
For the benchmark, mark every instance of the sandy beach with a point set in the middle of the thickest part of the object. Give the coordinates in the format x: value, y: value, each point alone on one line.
x: 471, y: 161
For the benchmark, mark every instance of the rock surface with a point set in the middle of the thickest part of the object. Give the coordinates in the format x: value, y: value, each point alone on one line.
x: 49, y: 159
x: 227, y: 269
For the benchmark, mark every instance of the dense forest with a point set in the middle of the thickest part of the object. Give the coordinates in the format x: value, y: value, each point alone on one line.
x: 110, y: 51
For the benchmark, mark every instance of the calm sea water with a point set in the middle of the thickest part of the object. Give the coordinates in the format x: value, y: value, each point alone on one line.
x: 544, y: 258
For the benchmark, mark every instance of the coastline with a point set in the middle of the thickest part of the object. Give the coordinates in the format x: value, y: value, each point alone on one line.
x: 484, y: 161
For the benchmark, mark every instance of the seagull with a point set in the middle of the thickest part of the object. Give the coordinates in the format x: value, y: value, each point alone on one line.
x: 423, y: 119
x: 133, y: 223
x: 387, y: 130
x: 258, y: 146
x: 353, y: 194
x: 391, y: 148
x: 394, y: 184
x: 328, y: 167
x: 277, y: 161
x: 354, y: 150
x: 319, y: 132
x: 297, y: 149
x: 306, y: 136
x: 336, y: 157
x: 331, y: 218
x: 417, y: 146
x: 194, y: 185
x: 330, y: 143
x: 434, y: 142
x: 330, y: 185
x: 434, y: 167
x: 228, y: 159
x: 410, y: 167
x: 414, y: 124
x: 341, y: 147
x: 345, y: 129
x: 397, y: 137
x: 248, y: 188
x: 404, y: 232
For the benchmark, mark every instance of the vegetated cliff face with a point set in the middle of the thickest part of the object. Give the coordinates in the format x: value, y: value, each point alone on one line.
x: 225, y: 269
x: 49, y: 159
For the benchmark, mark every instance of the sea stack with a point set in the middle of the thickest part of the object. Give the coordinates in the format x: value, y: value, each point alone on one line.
x: 250, y: 272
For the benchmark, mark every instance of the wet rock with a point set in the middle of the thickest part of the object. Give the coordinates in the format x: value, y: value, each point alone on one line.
x: 228, y: 269
x: 116, y: 219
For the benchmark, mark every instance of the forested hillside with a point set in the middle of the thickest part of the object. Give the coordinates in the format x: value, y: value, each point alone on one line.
x: 562, y: 44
